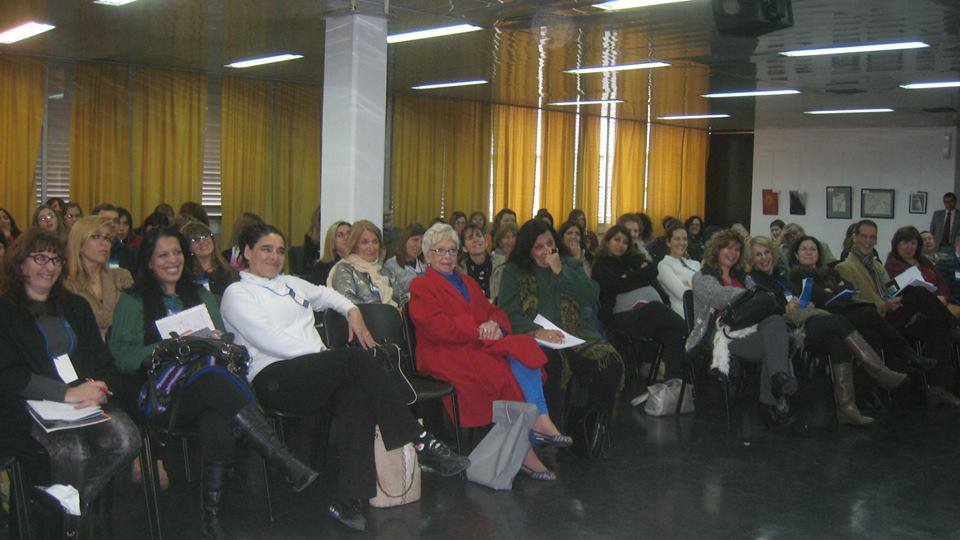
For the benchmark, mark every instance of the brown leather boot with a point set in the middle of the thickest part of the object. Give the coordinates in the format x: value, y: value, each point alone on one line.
x: 872, y: 363
x: 847, y: 412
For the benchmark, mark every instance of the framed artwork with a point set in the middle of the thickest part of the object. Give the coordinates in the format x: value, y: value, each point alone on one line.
x: 877, y: 203
x: 798, y: 203
x: 839, y: 202
x: 771, y: 202
x: 918, y: 202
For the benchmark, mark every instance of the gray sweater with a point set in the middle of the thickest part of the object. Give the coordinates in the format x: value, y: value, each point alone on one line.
x: 709, y: 296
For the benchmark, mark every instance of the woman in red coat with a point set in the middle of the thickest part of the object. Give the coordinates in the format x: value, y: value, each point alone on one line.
x: 463, y: 339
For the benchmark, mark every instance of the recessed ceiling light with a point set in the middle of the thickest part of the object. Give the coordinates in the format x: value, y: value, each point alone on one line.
x: 24, y: 31
x: 751, y: 93
x: 847, y: 49
x: 448, y: 84
x: 587, y: 102
x: 849, y: 111
x: 432, y: 33
x: 113, y: 2
x: 927, y: 85
x: 692, y: 116
x: 621, y: 67
x: 264, y: 60
x: 615, y: 5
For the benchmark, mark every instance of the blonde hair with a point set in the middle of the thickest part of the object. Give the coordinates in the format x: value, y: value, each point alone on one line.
x: 81, y: 231
x: 330, y: 242
x: 765, y: 242
x: 357, y: 229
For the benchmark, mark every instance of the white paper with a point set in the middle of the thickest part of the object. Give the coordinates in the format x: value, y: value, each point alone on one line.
x: 911, y: 277
x: 65, y: 368
x: 58, y: 410
x: 188, y: 321
x: 569, y: 340
x: 67, y: 495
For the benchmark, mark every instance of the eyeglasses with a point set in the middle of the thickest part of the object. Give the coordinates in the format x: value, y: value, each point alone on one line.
x: 807, y: 250
x: 45, y: 217
x: 441, y: 252
x: 98, y: 236
x: 42, y: 259
x: 200, y: 237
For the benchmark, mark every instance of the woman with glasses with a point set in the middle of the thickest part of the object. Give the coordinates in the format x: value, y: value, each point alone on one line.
x: 52, y: 349
x: 360, y: 275
x: 209, y: 267
x: 475, y: 260
x: 47, y: 219
x: 72, y: 212
x: 88, y: 273
x: 462, y: 338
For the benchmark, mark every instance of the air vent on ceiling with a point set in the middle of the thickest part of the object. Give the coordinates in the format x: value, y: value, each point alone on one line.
x: 937, y: 110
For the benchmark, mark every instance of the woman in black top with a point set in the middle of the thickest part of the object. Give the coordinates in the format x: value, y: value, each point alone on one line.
x: 475, y: 261
x: 50, y: 348
x: 631, y: 300
x: 696, y: 243
x: 210, y: 269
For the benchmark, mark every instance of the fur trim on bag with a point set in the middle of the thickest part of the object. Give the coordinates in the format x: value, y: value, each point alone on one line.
x: 721, y: 345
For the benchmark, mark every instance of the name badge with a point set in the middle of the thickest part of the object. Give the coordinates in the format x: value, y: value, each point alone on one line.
x: 65, y: 368
x: 956, y: 275
x: 299, y: 299
x: 788, y: 296
x: 206, y: 283
x: 114, y: 263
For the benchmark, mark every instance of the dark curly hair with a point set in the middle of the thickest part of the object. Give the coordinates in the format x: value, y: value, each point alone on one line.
x: 526, y: 238
x: 34, y: 240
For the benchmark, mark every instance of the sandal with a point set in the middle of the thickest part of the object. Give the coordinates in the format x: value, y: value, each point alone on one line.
x: 539, y: 439
x: 545, y: 475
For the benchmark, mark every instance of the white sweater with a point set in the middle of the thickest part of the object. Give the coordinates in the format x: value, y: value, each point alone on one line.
x: 674, y: 277
x: 273, y: 324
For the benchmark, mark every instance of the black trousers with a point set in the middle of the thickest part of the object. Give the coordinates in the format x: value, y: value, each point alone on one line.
x: 658, y: 322
x: 932, y: 326
x: 209, y: 404
x: 825, y: 334
x: 598, y: 379
x: 361, y: 395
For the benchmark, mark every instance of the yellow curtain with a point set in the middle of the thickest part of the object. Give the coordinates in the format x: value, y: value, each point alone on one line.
x: 417, y: 167
x: 100, y: 136
x: 588, y: 170
x: 628, y: 167
x: 514, y: 159
x: 246, y: 144
x: 22, y: 100
x: 298, y: 112
x: 466, y: 145
x: 557, y: 157
x: 167, y: 139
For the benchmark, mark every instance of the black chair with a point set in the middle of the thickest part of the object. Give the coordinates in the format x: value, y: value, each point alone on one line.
x: 726, y: 385
x: 18, y: 495
x: 388, y: 325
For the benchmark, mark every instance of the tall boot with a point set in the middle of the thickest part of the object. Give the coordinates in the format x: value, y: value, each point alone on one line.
x: 910, y: 359
x: 251, y: 424
x: 847, y: 412
x: 872, y: 363
x: 214, y: 475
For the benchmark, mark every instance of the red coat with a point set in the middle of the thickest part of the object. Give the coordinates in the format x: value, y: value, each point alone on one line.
x: 449, y: 347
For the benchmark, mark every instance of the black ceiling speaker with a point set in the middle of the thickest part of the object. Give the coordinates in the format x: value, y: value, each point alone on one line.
x: 752, y: 17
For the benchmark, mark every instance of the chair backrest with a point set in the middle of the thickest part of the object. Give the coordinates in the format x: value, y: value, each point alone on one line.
x: 385, y: 324
x: 688, y: 309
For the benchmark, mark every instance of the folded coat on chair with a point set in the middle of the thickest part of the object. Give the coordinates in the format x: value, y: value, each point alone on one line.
x: 449, y: 347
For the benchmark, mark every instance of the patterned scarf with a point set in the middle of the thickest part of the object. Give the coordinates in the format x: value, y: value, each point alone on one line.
x: 372, y: 270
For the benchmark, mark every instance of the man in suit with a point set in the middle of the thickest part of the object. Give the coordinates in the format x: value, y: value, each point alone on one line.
x: 945, y: 224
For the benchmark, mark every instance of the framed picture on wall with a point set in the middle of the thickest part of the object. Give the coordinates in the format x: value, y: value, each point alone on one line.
x: 918, y: 202
x: 877, y: 203
x: 839, y: 202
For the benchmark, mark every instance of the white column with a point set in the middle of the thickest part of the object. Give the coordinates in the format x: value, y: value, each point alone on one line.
x: 354, y: 116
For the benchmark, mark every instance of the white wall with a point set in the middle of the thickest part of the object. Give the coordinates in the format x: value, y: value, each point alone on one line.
x: 809, y: 160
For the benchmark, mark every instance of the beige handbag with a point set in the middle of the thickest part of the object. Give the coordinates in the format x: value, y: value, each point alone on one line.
x: 398, y: 474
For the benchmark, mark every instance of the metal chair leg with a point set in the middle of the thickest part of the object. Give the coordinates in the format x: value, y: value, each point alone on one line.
x: 19, y: 492
x: 456, y: 426
x: 149, y: 479
x: 185, y: 449
x: 266, y: 487
x: 655, y: 367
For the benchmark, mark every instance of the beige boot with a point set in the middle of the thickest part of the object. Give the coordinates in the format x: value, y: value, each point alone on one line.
x: 871, y: 362
x: 847, y: 412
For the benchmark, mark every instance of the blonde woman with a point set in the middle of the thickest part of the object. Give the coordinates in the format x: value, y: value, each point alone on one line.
x: 334, y: 249
x: 360, y: 276
x: 88, y: 273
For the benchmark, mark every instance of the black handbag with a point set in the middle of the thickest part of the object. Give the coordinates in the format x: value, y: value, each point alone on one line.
x: 750, y: 308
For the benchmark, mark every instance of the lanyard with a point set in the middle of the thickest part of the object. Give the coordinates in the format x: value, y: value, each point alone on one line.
x: 46, y: 340
x: 290, y: 292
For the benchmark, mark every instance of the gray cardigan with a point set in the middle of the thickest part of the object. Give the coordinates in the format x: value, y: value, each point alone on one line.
x: 709, y: 296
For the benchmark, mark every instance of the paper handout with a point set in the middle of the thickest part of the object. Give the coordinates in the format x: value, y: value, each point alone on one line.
x: 569, y: 340
x: 195, y: 320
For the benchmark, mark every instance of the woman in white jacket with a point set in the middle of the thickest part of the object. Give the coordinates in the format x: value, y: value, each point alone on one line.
x: 292, y: 370
x: 675, y: 270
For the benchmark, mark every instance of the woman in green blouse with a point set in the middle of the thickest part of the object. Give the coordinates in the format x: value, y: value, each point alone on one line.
x: 538, y: 281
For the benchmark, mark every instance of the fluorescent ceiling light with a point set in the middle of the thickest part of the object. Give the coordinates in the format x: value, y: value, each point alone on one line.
x: 692, y: 116
x: 847, y: 49
x: 24, y: 31
x: 751, y: 93
x: 448, y: 84
x: 432, y: 33
x: 615, y: 5
x: 264, y: 60
x: 849, y: 111
x: 927, y: 85
x: 621, y: 67
x: 588, y: 102
x: 113, y: 2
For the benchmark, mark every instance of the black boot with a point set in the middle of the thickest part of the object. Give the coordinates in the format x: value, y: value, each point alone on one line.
x: 783, y: 384
x: 909, y: 359
x: 214, y: 475
x: 251, y: 424
x: 438, y: 456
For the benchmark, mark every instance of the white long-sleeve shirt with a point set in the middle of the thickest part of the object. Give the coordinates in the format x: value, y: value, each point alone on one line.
x: 674, y: 276
x: 273, y: 318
